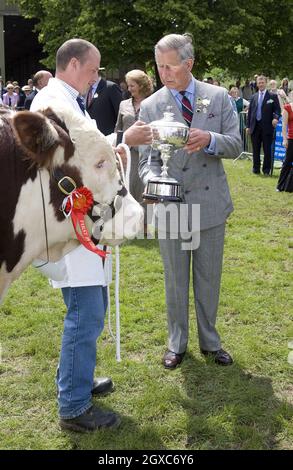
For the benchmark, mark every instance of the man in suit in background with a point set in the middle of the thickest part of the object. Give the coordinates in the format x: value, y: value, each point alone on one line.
x: 102, y: 104
x: 214, y: 134
x: 40, y: 80
x: 263, y: 115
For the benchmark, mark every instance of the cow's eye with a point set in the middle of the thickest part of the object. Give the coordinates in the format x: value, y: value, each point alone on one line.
x: 100, y: 164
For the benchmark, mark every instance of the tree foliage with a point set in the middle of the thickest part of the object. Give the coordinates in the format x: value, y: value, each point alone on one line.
x: 243, y: 36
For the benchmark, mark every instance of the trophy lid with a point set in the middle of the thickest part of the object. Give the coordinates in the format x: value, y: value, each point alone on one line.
x: 167, y: 131
x: 168, y: 121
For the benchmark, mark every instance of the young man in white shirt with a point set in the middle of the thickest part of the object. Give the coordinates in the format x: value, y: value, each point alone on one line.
x: 84, y: 283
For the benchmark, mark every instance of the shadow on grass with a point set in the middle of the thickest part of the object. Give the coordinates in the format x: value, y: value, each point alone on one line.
x: 228, y: 408
x: 126, y: 437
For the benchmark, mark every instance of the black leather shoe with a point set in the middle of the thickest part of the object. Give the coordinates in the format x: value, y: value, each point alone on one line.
x: 221, y: 357
x: 171, y: 360
x: 102, y: 386
x: 92, y: 419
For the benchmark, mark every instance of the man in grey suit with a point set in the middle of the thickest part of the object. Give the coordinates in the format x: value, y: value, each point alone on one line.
x: 214, y: 135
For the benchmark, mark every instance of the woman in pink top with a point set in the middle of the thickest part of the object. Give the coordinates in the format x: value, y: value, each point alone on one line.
x: 285, y: 182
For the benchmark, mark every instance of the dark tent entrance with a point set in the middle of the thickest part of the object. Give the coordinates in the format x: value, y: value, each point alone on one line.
x: 22, y: 50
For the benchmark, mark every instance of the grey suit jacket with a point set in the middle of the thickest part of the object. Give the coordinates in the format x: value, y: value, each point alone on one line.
x: 202, y: 176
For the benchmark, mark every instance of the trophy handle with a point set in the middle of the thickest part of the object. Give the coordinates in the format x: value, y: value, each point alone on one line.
x: 153, y: 146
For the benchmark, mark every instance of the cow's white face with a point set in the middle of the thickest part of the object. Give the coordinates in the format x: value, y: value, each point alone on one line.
x: 93, y: 156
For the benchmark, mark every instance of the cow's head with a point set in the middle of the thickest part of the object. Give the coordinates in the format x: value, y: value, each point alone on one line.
x: 59, y: 138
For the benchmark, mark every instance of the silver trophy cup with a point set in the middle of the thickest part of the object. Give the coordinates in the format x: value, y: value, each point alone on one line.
x: 168, y: 136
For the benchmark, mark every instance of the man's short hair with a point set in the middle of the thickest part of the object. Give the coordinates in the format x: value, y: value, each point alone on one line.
x: 182, y: 43
x: 78, y: 48
x: 262, y: 77
x: 37, y: 77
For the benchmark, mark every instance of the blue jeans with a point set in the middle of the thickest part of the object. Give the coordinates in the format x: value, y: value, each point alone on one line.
x: 83, y: 324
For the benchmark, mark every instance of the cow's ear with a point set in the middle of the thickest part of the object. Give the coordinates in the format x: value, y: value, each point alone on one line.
x: 36, y: 134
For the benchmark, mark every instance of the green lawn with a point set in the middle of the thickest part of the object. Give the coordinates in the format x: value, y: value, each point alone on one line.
x: 199, y: 405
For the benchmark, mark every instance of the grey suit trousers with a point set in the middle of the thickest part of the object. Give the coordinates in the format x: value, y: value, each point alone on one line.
x: 206, y: 270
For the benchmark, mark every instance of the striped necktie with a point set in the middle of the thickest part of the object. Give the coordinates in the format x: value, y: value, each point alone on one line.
x: 186, y: 108
x: 80, y: 101
x: 259, y: 105
x: 89, y: 97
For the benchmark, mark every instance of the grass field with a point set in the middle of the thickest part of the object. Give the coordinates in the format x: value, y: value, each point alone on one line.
x: 199, y: 405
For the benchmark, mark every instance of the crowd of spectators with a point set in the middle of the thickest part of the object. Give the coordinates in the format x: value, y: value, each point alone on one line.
x: 17, y: 97
x: 13, y: 95
x: 241, y: 94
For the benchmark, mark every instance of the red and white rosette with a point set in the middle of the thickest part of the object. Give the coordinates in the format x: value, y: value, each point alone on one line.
x: 76, y: 206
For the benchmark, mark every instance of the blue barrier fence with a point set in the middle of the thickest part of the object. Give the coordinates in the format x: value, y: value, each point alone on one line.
x: 278, y: 150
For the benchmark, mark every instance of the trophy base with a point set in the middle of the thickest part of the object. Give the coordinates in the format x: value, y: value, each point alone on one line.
x: 163, y: 190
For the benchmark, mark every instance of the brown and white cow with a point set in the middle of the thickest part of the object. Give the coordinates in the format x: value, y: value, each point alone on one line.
x: 32, y: 147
